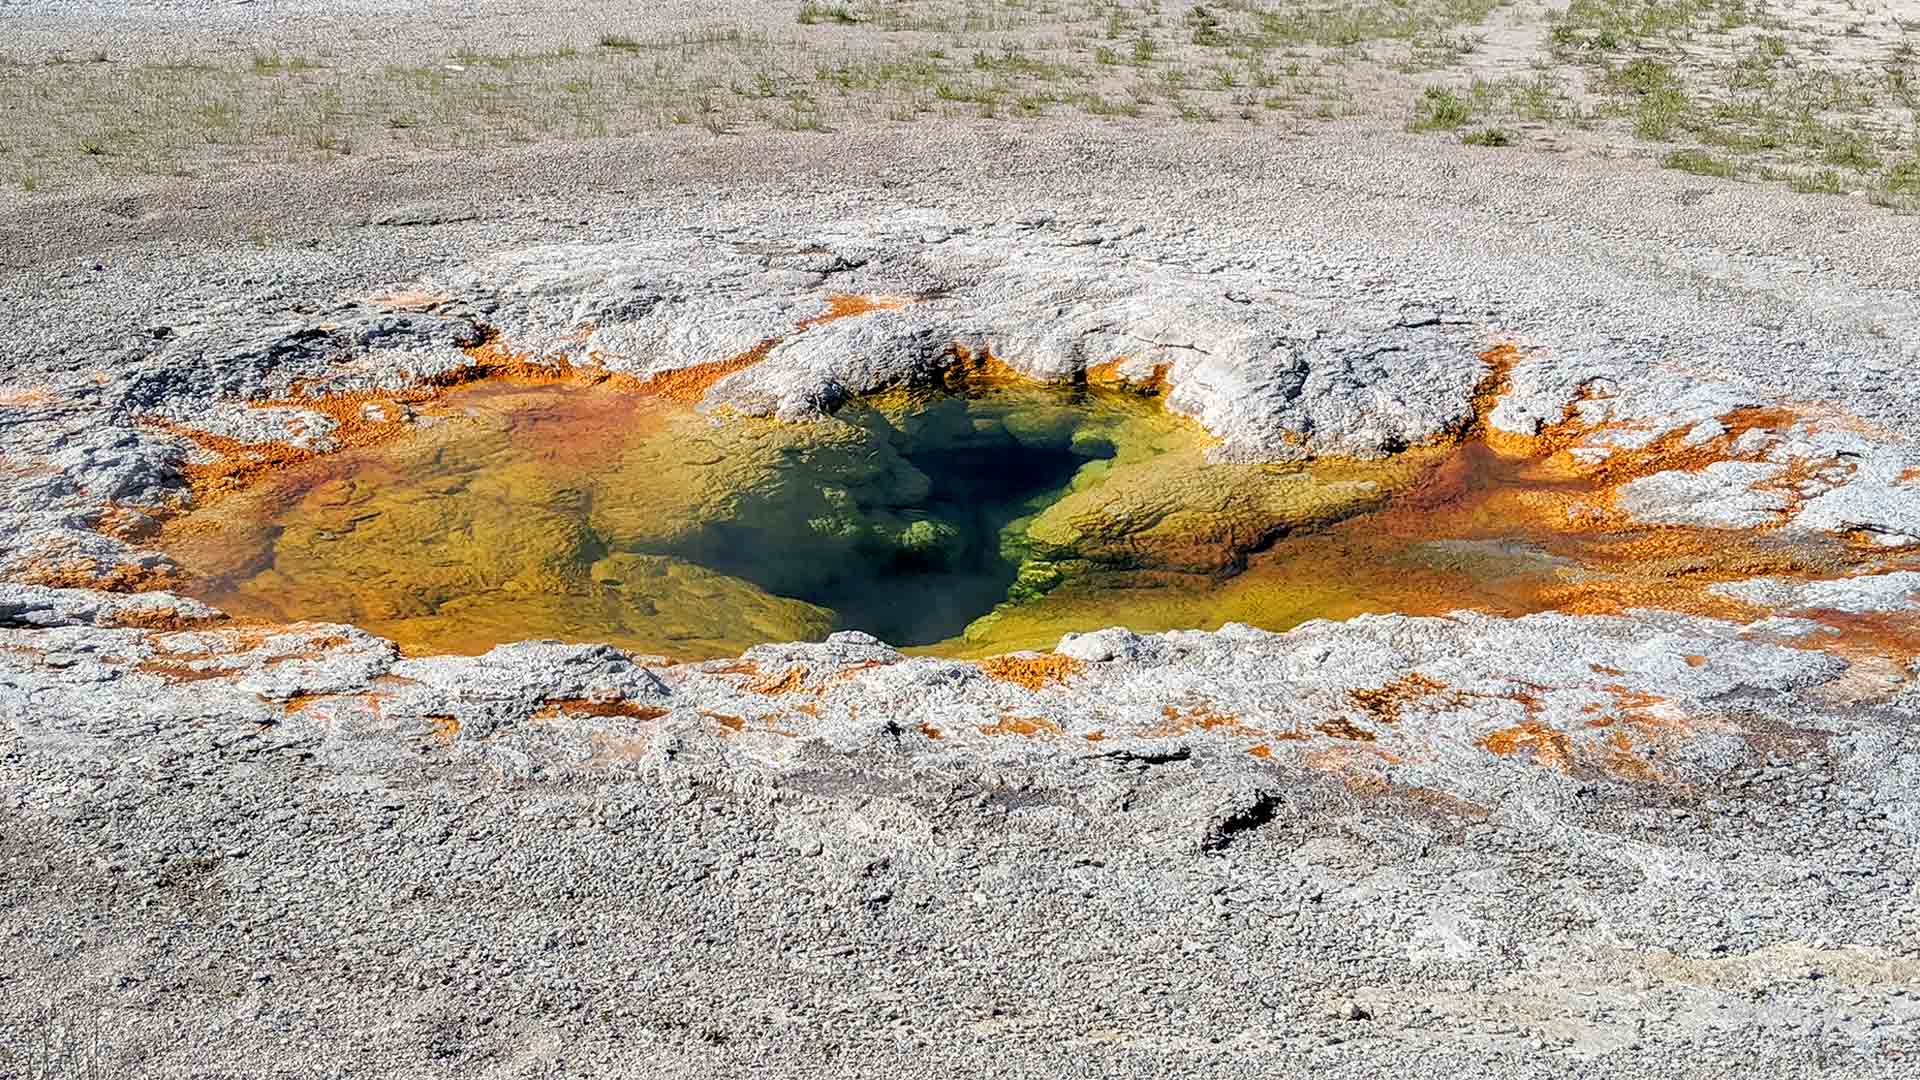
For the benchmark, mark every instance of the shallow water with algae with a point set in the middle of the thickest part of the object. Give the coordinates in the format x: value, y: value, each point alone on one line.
x: 956, y: 524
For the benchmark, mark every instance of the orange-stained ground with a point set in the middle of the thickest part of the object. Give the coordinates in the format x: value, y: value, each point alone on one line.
x: 1502, y: 523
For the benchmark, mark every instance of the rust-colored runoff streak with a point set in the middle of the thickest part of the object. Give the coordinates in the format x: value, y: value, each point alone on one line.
x: 85, y: 572
x: 1034, y: 671
x: 847, y: 305
x: 25, y: 397
x: 792, y: 680
x: 1385, y: 703
x: 125, y: 523
x: 688, y: 385
x: 555, y: 708
x: 1342, y: 728
x: 1027, y: 726
x: 138, y: 619
x: 182, y: 672
x: 180, y: 666
x: 1503, y: 486
x: 970, y: 372
x: 1486, y: 393
x: 1154, y: 384
x: 1620, y: 760
x: 1181, y: 720
x: 1865, y: 635
x: 443, y: 726
x: 1632, y: 702
x: 731, y: 724
x: 1548, y: 746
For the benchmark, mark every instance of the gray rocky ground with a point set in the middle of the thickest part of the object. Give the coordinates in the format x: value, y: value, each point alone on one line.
x: 1642, y: 844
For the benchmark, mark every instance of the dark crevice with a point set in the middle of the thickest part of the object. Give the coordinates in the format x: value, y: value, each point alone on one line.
x: 980, y: 480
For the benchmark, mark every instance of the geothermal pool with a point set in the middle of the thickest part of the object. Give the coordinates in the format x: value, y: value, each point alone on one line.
x: 959, y: 523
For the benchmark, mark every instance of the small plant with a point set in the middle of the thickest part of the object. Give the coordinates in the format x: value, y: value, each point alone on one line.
x: 619, y: 41
x: 29, y: 183
x: 811, y: 13
x: 1097, y: 105
x: 1438, y: 109
x: 1143, y: 50
x: 712, y: 118
x: 1904, y: 178
x: 1104, y: 55
x: 1658, y: 114
x: 1206, y: 28
x: 274, y: 64
x: 1851, y: 151
x: 93, y: 146
x: 803, y: 114
x: 1700, y: 163
x: 1488, y: 136
x: 1643, y: 77
x: 326, y: 140
x: 1824, y: 182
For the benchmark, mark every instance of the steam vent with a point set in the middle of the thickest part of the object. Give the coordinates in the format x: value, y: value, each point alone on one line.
x: 772, y: 592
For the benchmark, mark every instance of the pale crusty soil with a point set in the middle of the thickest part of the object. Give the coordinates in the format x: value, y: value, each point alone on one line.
x: 196, y: 881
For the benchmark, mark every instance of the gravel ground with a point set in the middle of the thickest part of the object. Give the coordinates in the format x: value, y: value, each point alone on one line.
x: 304, y: 855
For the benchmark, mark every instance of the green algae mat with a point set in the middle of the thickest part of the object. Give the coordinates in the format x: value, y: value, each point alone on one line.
x: 956, y: 524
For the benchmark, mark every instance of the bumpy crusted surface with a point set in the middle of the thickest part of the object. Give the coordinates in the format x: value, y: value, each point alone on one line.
x: 1643, y: 843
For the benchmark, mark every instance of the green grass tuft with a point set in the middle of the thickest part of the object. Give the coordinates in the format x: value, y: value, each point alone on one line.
x: 1824, y: 182
x: 811, y: 13
x: 1439, y: 109
x: 1700, y: 163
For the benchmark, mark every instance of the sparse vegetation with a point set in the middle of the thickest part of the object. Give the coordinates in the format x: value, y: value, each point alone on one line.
x: 811, y: 13
x: 1741, y: 87
x: 1824, y: 182
x: 276, y: 64
x: 1699, y: 163
x: 1899, y: 187
x: 1728, y: 80
x: 1439, y: 109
